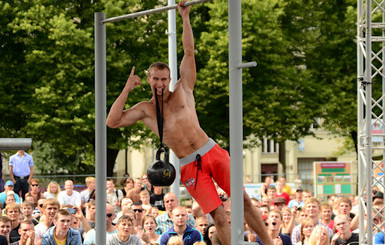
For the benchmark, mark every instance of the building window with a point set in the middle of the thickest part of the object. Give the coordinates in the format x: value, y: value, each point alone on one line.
x: 269, y: 146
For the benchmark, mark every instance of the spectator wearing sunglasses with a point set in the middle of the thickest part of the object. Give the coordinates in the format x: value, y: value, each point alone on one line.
x: 111, y: 229
x: 35, y: 189
x: 139, y: 213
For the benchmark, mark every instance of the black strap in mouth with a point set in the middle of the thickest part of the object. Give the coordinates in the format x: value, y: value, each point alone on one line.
x: 159, y: 118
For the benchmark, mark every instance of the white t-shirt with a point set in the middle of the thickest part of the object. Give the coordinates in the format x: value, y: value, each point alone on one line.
x: 40, y: 230
x: 74, y: 199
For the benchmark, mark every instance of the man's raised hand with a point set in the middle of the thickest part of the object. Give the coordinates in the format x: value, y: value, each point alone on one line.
x: 132, y: 81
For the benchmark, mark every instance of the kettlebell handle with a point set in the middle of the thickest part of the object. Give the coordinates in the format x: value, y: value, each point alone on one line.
x: 159, y: 151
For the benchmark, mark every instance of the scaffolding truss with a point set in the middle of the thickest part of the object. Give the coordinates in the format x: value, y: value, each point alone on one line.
x: 370, y: 116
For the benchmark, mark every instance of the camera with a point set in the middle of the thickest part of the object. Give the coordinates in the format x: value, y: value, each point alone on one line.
x: 71, y: 210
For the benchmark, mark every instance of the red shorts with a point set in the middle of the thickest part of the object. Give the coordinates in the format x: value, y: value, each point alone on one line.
x: 214, y: 164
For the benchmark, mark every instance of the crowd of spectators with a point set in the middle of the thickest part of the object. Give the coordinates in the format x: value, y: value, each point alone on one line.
x: 139, y: 213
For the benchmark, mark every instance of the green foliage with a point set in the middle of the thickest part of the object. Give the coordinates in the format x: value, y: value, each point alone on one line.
x: 305, y: 52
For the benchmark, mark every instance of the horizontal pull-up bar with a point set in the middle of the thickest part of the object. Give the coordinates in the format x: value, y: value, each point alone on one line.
x: 151, y: 11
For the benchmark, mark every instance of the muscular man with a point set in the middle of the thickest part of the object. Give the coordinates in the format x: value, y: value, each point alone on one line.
x: 200, y: 157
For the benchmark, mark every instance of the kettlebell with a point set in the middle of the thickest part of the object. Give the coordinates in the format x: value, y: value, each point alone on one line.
x: 161, y: 173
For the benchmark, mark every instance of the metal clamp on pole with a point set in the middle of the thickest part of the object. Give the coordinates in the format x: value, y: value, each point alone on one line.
x: 247, y: 65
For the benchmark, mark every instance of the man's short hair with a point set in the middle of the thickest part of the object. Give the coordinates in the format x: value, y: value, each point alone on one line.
x: 326, y: 205
x: 345, y: 200
x: 271, y: 187
x: 312, y: 200
x: 63, y: 212
x: 27, y: 222
x: 90, y: 179
x: 277, y: 212
x: 144, y: 193
x: 92, y: 202
x: 124, y: 217
x: 51, y: 201
x: 28, y: 203
x: 158, y: 65
x: 4, y: 219
x: 339, y: 216
x: 12, y: 206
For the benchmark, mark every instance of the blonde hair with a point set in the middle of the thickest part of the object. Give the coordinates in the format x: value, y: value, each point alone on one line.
x: 175, y: 240
x: 313, y: 239
x: 58, y: 188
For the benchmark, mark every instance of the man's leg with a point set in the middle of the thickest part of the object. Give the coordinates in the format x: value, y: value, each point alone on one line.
x: 254, y: 220
x: 17, y: 186
x: 222, y: 225
x: 24, y: 188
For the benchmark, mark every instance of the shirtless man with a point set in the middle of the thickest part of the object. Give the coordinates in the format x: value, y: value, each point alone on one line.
x: 183, y: 134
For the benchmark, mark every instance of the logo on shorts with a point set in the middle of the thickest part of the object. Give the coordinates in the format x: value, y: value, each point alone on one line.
x: 190, y: 182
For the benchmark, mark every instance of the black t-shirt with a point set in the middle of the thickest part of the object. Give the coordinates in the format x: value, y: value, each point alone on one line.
x: 157, y: 201
x: 14, y: 235
x: 3, y: 240
x: 353, y: 240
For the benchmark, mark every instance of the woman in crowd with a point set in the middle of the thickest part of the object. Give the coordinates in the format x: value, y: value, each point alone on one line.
x: 128, y: 185
x: 307, y: 226
x: 288, y: 223
x: 53, y: 190
x: 149, y: 225
x: 210, y: 231
x: 35, y: 189
x: 319, y: 236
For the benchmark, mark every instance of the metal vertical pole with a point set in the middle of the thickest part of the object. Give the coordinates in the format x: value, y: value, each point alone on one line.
x: 368, y: 119
x: 236, y: 115
x: 100, y: 127
x: 173, y: 64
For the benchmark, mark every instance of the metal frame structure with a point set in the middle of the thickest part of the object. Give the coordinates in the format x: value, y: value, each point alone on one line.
x: 371, y: 103
x: 236, y: 132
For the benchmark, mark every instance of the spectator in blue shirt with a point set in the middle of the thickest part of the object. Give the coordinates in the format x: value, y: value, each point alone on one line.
x: 21, y: 171
x: 180, y: 228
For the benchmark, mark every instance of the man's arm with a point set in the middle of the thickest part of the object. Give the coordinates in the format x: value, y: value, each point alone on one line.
x: 30, y: 175
x: 187, y: 67
x: 117, y: 117
x: 11, y: 174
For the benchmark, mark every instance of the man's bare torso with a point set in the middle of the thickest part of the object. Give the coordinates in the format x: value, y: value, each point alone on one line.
x: 181, y: 129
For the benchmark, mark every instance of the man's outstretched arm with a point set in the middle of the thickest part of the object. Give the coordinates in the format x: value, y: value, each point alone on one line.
x: 117, y: 117
x: 187, y: 67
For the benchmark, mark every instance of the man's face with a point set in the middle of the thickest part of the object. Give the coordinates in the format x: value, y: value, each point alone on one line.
x: 91, y: 210
x: 63, y: 223
x: 124, y: 227
x: 13, y: 214
x: 179, y: 217
x: 5, y: 228
x: 138, y: 211
x: 27, y: 210
x: 271, y: 193
x: 50, y: 211
x: 266, y: 201
x: 145, y: 199
x: 306, y: 195
x: 8, y: 188
x: 26, y: 230
x: 298, y: 195
x: 92, y: 185
x: 264, y: 211
x: 201, y: 225
x: 342, y: 225
x: 274, y: 221
x: 110, y: 185
x: 69, y: 186
x: 138, y: 184
x: 344, y: 208
x: 326, y: 213
x: 158, y: 80
x: 110, y: 215
x: 312, y: 210
x: 170, y: 202
x: 280, y: 186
